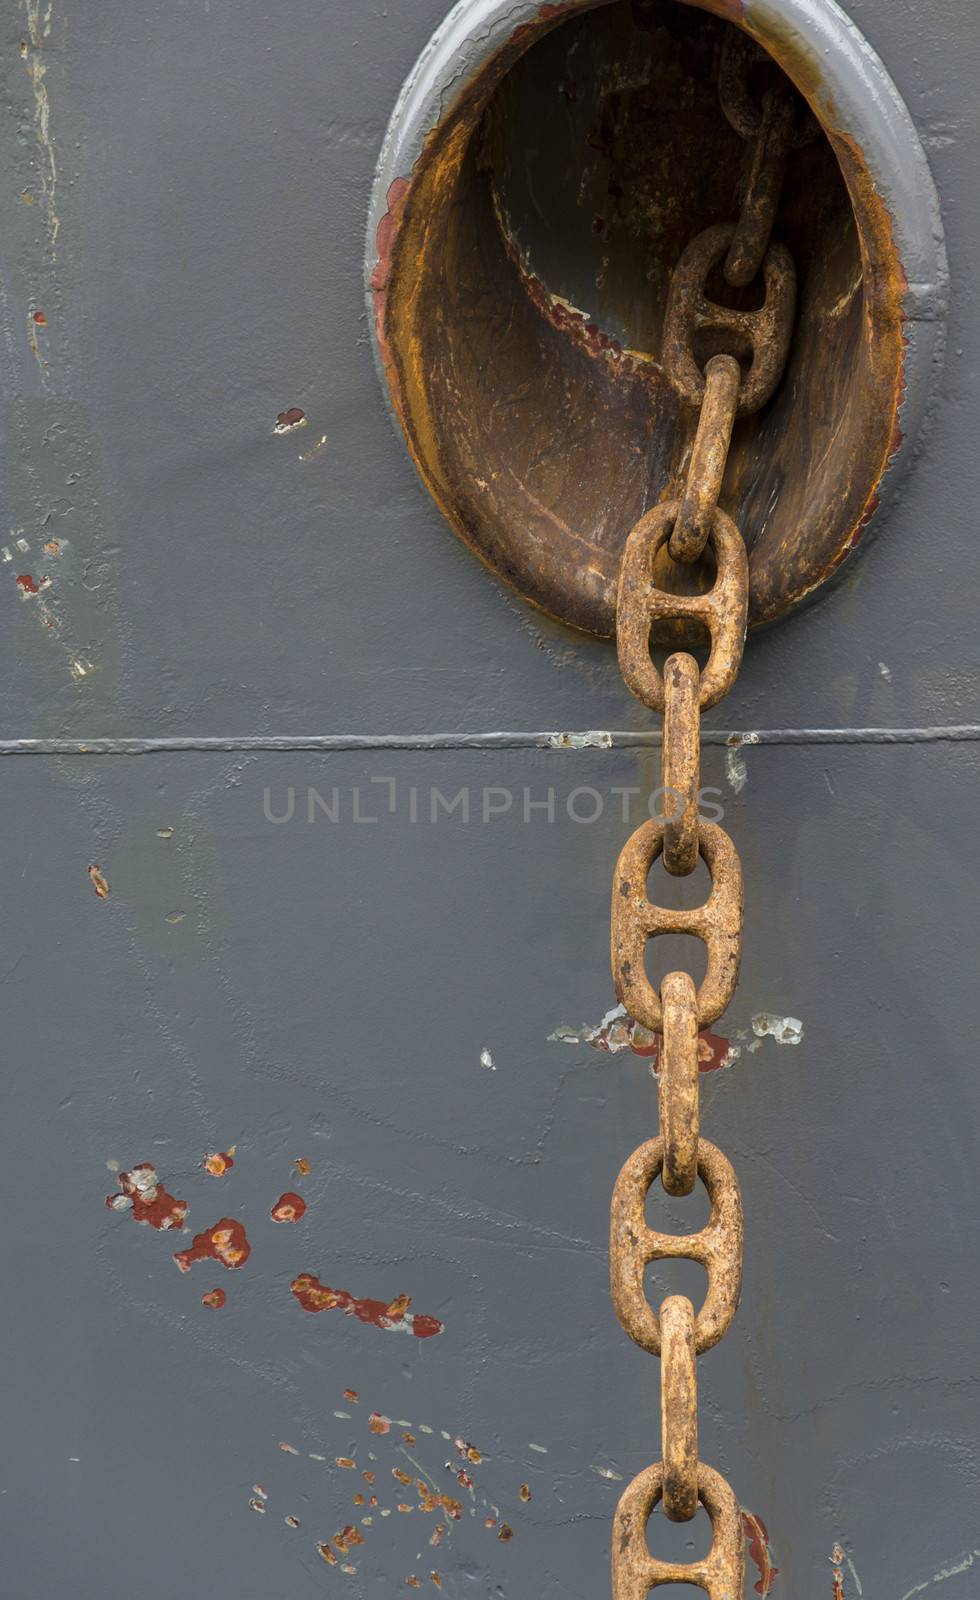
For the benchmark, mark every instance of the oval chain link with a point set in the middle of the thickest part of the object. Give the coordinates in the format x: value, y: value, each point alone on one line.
x: 641, y: 603
x: 717, y: 1246
x: 687, y: 527
x: 635, y: 920
x: 721, y: 1574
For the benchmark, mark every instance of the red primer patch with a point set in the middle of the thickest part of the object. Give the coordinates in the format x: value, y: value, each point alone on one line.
x: 28, y: 584
x: 713, y: 1051
x: 392, y: 1316
x: 142, y: 1193
x: 757, y: 1535
x: 288, y: 1208
x: 226, y: 1242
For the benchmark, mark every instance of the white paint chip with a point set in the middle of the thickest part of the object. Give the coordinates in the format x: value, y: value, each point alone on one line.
x: 785, y: 1030
x: 590, y: 739
x: 540, y: 1448
x: 486, y: 1060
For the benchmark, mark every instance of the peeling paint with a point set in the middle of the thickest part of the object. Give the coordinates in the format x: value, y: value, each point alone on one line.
x: 99, y: 881
x: 217, y: 1162
x: 590, y: 739
x: 736, y: 768
x: 392, y: 1316
x: 142, y: 1194
x: 757, y: 1535
x: 226, y: 1242
x: 289, y: 421
x: 289, y: 1207
x: 617, y: 1031
x: 785, y: 1030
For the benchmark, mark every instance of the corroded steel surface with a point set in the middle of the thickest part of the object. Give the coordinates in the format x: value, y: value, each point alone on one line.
x: 645, y: 602
x: 523, y: 351
x: 635, y: 920
x: 636, y: 1571
x: 717, y: 1246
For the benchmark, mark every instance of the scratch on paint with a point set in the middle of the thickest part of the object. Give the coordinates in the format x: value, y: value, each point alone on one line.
x: 392, y: 1316
x: 944, y: 1573
x: 368, y: 1484
x: 736, y: 770
x: 38, y: 31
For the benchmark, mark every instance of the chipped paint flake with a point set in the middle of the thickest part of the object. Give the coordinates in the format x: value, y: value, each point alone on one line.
x: 486, y: 1060
x: 142, y: 1194
x: 99, y: 881
x: 757, y: 1537
x: 226, y: 1242
x: 289, y: 1207
x: 785, y: 1030
x: 315, y: 1296
x: 589, y: 739
x: 217, y: 1162
x: 289, y: 421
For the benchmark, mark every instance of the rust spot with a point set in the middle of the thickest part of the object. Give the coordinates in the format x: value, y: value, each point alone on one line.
x: 142, y: 1193
x: 714, y: 1051
x: 506, y: 1532
x: 346, y: 1462
x: 215, y: 1299
x: 288, y: 421
x: 218, y: 1162
x: 39, y: 318
x: 302, y: 1166
x: 525, y: 1492
x: 99, y: 881
x: 226, y: 1242
x: 387, y: 232
x: 757, y: 1535
x: 27, y: 583
x: 377, y: 1424
x: 408, y: 1438
x: 438, y: 1534
x: 352, y: 1395
x: 288, y: 1208
x: 436, y: 1579
x: 391, y: 1317
x: 325, y: 1551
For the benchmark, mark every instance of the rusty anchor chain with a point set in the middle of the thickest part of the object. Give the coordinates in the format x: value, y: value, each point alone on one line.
x: 736, y: 381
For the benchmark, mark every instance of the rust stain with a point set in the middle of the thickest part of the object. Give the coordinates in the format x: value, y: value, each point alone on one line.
x: 289, y: 1207
x: 99, y: 881
x: 217, y: 1162
x: 757, y: 1535
x: 142, y: 1194
x: 226, y: 1242
x: 392, y: 1316
x: 386, y: 234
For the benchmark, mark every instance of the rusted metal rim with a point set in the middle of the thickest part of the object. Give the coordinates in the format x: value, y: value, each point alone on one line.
x: 560, y: 547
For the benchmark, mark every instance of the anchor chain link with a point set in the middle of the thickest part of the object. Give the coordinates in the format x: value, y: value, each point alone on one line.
x: 747, y: 353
